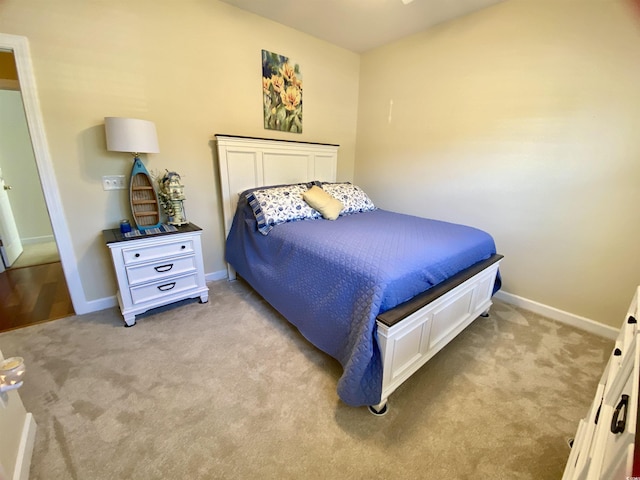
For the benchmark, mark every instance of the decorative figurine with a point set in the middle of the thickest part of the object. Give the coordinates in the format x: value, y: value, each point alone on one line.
x: 172, y: 197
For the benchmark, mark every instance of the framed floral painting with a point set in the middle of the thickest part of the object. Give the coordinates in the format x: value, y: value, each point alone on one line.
x: 281, y: 93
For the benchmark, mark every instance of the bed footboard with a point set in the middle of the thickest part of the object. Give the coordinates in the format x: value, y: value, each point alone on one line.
x: 408, y: 342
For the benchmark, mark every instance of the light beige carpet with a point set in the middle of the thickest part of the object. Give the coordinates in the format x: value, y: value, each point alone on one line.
x: 37, y: 254
x: 228, y: 390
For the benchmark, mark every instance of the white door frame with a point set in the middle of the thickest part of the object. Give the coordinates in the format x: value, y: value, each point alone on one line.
x: 20, y: 47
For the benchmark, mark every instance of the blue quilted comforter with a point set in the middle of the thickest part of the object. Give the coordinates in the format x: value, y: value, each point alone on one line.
x: 332, y: 278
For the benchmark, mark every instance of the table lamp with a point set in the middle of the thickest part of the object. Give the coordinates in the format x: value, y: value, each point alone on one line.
x: 137, y: 136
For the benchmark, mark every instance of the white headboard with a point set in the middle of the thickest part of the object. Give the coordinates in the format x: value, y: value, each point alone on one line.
x: 246, y: 162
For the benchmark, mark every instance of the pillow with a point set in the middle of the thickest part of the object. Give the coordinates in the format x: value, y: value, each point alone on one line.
x: 274, y: 205
x: 353, y: 198
x: 323, y: 202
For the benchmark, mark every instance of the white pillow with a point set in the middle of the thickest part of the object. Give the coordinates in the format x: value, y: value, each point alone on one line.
x: 274, y: 205
x: 352, y: 197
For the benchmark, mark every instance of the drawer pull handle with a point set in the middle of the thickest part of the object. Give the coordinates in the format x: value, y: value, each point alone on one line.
x: 618, y: 426
x: 617, y: 352
x: 137, y: 255
x: 183, y: 247
x: 166, y: 287
x: 163, y: 268
x: 632, y: 319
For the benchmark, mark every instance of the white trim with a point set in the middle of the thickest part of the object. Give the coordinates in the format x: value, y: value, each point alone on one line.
x: 20, y: 47
x: 25, y: 451
x: 101, y: 304
x: 215, y: 276
x: 560, y: 315
x: 110, y: 302
x: 36, y: 240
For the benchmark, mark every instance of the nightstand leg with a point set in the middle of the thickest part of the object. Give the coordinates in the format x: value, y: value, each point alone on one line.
x: 204, y: 298
x: 129, y: 320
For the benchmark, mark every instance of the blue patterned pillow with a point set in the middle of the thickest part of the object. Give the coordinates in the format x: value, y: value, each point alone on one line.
x: 274, y: 205
x: 352, y: 197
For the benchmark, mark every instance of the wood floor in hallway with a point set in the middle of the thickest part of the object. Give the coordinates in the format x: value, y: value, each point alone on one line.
x: 30, y: 295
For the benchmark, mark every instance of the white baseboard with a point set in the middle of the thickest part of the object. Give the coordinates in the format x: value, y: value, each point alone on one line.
x: 25, y: 451
x: 545, y: 310
x: 91, y: 306
x: 35, y: 240
x: 215, y: 276
x: 577, y: 321
x: 110, y: 302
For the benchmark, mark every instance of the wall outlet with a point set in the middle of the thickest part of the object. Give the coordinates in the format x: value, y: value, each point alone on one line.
x: 113, y: 182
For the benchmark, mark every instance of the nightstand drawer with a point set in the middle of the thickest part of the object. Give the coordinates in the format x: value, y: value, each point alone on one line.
x: 163, y: 288
x: 157, y: 251
x: 158, y: 270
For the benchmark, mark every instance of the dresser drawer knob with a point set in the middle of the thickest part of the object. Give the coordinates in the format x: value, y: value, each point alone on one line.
x: 618, y: 426
x: 183, y: 247
x: 632, y: 319
x: 163, y: 268
x: 166, y: 287
x: 617, y: 352
x: 137, y: 255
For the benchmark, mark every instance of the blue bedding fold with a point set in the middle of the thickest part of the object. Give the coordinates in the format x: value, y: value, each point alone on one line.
x: 332, y: 278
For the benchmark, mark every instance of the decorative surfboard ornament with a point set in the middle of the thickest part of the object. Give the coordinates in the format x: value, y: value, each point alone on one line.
x: 144, y: 200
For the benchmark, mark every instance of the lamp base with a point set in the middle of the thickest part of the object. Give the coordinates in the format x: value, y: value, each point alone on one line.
x: 143, y: 198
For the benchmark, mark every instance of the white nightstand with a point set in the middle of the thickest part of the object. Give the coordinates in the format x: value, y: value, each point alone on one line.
x: 157, y: 269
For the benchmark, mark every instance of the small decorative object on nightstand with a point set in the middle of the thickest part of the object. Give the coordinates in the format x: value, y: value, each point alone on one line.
x: 156, y: 269
x: 172, y: 198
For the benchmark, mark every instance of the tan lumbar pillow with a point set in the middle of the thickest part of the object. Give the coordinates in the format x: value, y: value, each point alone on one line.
x: 329, y: 206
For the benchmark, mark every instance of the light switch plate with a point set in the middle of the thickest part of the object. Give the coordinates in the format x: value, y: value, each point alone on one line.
x: 113, y: 182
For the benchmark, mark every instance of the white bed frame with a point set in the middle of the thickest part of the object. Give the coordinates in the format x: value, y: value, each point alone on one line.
x: 407, y: 343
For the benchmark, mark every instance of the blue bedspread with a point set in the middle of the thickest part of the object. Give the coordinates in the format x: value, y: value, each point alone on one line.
x: 332, y: 278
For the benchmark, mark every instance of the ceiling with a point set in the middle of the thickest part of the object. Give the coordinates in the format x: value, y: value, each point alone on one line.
x: 360, y: 25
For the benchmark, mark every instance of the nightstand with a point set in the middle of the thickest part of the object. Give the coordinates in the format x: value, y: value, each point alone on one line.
x: 157, y: 269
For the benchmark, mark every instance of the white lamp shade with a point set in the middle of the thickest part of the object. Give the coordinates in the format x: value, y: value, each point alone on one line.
x: 131, y: 135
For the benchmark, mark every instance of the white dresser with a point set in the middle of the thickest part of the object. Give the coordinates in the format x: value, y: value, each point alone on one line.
x: 157, y: 269
x: 604, y: 446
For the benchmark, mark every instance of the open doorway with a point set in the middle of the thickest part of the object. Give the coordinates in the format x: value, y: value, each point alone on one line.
x: 33, y: 288
x: 20, y: 47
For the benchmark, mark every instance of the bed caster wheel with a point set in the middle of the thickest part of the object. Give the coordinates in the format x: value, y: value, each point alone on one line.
x: 378, y: 410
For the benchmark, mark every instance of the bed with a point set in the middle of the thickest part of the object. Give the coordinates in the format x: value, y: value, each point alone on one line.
x: 382, y: 292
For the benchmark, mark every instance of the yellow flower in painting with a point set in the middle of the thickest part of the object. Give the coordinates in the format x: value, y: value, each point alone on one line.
x: 288, y: 72
x: 265, y: 84
x: 297, y: 82
x: 291, y: 98
x: 277, y: 82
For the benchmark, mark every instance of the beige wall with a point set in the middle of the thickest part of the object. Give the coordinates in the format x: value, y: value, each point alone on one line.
x: 522, y: 120
x: 18, y: 166
x: 192, y: 67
